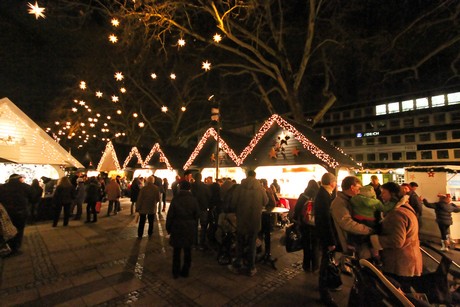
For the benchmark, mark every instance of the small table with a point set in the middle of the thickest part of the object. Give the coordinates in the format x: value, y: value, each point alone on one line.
x: 266, y: 218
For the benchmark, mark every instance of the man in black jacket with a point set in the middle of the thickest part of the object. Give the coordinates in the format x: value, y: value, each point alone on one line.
x: 325, y: 231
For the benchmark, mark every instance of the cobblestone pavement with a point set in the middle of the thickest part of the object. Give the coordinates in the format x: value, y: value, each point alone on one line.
x: 105, y: 264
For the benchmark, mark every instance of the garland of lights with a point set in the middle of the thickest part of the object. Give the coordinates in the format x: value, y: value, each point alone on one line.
x: 134, y: 151
x: 156, y: 148
x: 212, y: 132
x: 109, y: 149
x: 275, y: 118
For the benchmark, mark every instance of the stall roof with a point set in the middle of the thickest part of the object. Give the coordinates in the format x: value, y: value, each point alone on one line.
x: 109, y: 160
x: 282, y: 141
x: 23, y: 141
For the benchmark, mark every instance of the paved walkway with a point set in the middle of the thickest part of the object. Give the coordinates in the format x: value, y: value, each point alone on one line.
x: 105, y: 264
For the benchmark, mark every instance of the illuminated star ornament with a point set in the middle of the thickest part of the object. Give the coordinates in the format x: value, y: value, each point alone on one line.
x: 217, y: 38
x: 113, y: 38
x: 181, y: 42
x: 99, y: 94
x: 206, y: 66
x: 115, y: 22
x: 119, y: 76
x: 36, y: 10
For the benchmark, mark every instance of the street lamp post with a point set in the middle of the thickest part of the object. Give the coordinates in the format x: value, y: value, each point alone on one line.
x: 215, y: 117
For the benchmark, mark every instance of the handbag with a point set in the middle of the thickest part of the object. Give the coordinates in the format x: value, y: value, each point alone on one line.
x: 333, y: 272
x: 7, y: 229
x: 293, y: 239
x: 98, y: 206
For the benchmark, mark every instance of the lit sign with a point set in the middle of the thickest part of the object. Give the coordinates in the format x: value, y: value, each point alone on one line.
x: 360, y: 135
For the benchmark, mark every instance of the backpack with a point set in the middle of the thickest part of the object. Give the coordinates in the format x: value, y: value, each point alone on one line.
x: 307, y: 214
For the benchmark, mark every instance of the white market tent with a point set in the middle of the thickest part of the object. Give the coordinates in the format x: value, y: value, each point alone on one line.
x: 23, y: 141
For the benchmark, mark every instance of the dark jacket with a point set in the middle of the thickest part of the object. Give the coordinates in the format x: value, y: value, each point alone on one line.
x: 93, y: 192
x: 182, y: 219
x: 202, y: 193
x: 64, y: 195
x: 443, y: 211
x: 414, y: 201
x: 15, y: 197
x: 37, y: 193
x: 323, y: 220
x: 135, y: 188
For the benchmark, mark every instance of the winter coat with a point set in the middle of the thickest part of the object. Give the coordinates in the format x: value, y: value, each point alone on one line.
x: 443, y: 211
x: 202, y: 193
x: 37, y: 193
x: 400, y: 242
x: 113, y: 190
x: 249, y: 199
x: 80, y: 192
x: 414, y: 201
x: 135, y: 189
x: 15, y: 197
x: 323, y: 220
x: 64, y: 195
x: 93, y: 192
x: 148, y: 199
x: 182, y: 219
x: 341, y: 214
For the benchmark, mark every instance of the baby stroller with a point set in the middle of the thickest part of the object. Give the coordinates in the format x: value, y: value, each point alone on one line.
x: 226, y: 237
x: 372, y: 288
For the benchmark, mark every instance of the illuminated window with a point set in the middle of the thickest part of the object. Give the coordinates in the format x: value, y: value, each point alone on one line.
x: 407, y: 105
x: 393, y: 107
x: 453, y: 98
x: 442, y: 154
x: 426, y: 155
x: 381, y: 109
x: 421, y: 103
x: 438, y: 101
x: 411, y: 155
x: 396, y: 156
x: 383, y: 156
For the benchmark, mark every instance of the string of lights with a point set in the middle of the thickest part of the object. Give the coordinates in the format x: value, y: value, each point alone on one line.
x: 109, y: 152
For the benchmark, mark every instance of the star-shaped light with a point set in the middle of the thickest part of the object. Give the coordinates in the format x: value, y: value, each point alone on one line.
x: 36, y: 10
x: 99, y: 94
x: 206, y: 65
x: 172, y: 76
x: 181, y: 42
x: 119, y: 76
x: 113, y: 38
x: 164, y: 109
x: 153, y: 75
x: 217, y: 38
x: 272, y: 153
x: 115, y: 98
x: 83, y: 85
x: 82, y: 103
x: 123, y: 90
x: 74, y: 109
x: 115, y: 22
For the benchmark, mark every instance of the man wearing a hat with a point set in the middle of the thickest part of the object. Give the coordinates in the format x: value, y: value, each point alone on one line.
x: 415, y: 202
x: 15, y: 196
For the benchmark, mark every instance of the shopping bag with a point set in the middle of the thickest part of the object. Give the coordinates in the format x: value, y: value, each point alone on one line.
x: 98, y: 206
x: 293, y: 239
x: 333, y: 272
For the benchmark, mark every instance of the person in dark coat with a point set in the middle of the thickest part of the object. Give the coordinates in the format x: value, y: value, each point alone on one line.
x: 135, y: 188
x: 182, y: 225
x: 146, y: 205
x: 93, y: 195
x: 443, y: 210
x: 309, y: 238
x: 15, y: 196
x: 165, y: 191
x: 159, y: 183
x: 325, y: 231
x: 37, y: 196
x: 202, y: 193
x: 63, y: 198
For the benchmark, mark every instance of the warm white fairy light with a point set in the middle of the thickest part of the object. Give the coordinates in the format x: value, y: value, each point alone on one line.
x: 211, y: 132
x: 82, y: 103
x: 74, y: 109
x: 217, y: 38
x: 172, y: 76
x: 123, y: 90
x: 95, y: 120
x: 113, y: 38
x: 90, y: 119
x: 181, y: 42
x: 115, y: 22
x: 164, y: 109
x: 183, y: 108
x: 92, y: 125
x: 57, y: 123
x: 141, y: 125
x: 119, y: 76
x: 134, y: 152
x: 82, y: 124
x: 86, y: 107
x: 118, y: 111
x: 156, y: 148
x: 99, y: 94
x: 89, y: 110
x: 109, y: 117
x: 206, y: 66
x: 115, y: 98
x: 98, y: 114
x: 109, y: 152
x: 135, y: 115
x: 36, y: 10
x: 153, y: 76
x: 83, y: 85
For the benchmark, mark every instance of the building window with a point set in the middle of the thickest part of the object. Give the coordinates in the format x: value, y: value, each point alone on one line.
x: 410, y: 138
x: 359, y: 157
x: 346, y: 114
x: 426, y: 155
x: 336, y: 143
x: 318, y: 131
x: 393, y: 107
x: 395, y: 139
x: 381, y: 124
x: 421, y: 103
x: 439, y: 118
x: 369, y: 111
x: 336, y: 130
x: 327, y: 131
x: 358, y: 127
x: 456, y: 134
x: 411, y: 155
x: 442, y: 154
x: 383, y: 140
x: 396, y: 156
x: 394, y: 123
x: 440, y: 136
x: 383, y: 156
x: 370, y: 126
x: 438, y: 101
x: 407, y: 105
x: 457, y: 153
x: 370, y: 141
x: 381, y: 109
x: 347, y: 143
x: 408, y: 122
x: 327, y: 117
x: 357, y: 113
x: 424, y: 137
x: 358, y: 142
x: 335, y: 116
x: 371, y: 157
x: 455, y: 116
x: 423, y: 120
x: 453, y: 98
x: 347, y: 129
